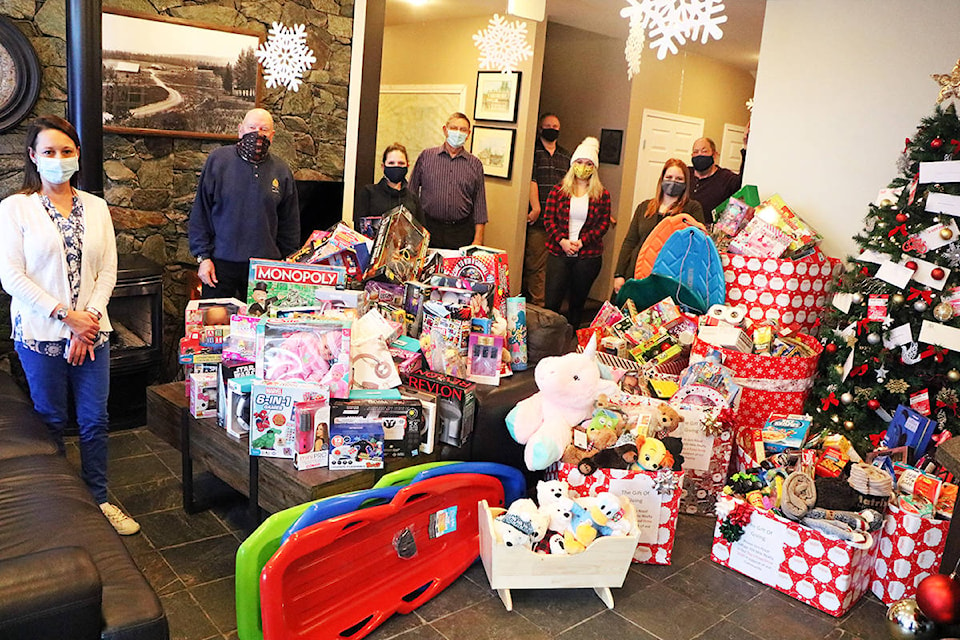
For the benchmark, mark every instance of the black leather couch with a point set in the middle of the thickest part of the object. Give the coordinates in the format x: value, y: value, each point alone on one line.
x: 548, y: 334
x: 64, y: 572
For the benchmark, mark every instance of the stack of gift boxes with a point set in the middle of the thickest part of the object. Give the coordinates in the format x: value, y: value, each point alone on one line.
x: 355, y: 349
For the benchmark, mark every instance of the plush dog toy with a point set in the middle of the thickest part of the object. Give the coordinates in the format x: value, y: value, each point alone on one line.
x: 653, y: 456
x: 622, y: 456
x: 568, y: 388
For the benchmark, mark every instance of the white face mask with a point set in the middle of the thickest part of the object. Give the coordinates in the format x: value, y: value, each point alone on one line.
x: 57, y: 170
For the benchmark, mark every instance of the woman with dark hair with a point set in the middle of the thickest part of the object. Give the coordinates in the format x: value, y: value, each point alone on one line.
x: 374, y: 200
x: 58, y: 262
x: 673, y: 197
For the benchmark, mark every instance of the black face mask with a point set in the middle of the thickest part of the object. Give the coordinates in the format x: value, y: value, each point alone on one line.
x: 674, y: 189
x: 550, y: 135
x: 395, y: 174
x: 702, y: 163
x: 253, y: 147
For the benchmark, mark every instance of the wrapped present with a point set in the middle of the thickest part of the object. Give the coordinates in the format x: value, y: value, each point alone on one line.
x: 654, y: 495
x: 785, y: 290
x: 803, y: 563
x: 769, y: 384
x: 911, y: 549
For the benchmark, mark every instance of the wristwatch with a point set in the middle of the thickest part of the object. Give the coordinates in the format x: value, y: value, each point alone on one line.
x: 201, y: 258
x: 62, y: 313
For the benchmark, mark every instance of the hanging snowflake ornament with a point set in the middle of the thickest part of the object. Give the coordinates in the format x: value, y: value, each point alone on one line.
x: 671, y: 23
x: 636, y: 37
x: 285, y: 57
x: 503, y: 44
x: 749, y: 105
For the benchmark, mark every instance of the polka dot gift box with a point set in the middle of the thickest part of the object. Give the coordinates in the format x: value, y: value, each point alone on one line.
x: 655, y: 497
x: 911, y: 549
x: 822, y: 572
x: 791, y: 291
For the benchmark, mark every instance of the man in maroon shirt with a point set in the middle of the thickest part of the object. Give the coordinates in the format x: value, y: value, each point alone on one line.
x: 712, y: 184
x: 449, y: 181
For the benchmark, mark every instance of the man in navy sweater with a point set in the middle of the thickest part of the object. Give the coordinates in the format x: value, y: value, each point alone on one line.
x: 245, y: 207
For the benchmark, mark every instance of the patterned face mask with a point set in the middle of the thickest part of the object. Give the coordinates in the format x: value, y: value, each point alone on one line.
x: 253, y: 147
x: 583, y: 171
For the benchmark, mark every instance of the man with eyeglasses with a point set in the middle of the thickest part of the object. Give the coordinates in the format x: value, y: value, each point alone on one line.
x: 449, y: 181
x: 712, y: 184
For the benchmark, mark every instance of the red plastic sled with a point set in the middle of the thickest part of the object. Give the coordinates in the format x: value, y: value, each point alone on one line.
x: 343, y: 577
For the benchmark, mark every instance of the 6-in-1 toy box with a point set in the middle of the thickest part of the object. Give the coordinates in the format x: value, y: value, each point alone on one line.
x: 272, y: 420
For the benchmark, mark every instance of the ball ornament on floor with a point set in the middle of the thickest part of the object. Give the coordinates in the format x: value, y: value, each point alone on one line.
x: 906, y: 621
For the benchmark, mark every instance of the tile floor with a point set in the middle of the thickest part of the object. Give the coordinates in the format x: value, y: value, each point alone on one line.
x: 189, y: 560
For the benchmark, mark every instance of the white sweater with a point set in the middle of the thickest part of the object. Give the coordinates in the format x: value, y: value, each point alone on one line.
x: 33, y: 264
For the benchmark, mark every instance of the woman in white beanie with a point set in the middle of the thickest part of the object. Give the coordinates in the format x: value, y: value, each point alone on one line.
x: 576, y: 217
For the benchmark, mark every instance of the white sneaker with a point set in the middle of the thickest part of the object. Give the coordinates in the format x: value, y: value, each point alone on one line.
x: 124, y: 524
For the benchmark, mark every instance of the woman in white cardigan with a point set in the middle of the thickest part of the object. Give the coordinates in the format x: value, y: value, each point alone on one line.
x: 58, y: 261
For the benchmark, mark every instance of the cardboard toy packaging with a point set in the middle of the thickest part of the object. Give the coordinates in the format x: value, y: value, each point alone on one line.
x: 313, y: 433
x: 401, y: 422
x: 399, y: 249
x: 203, y: 395
x: 237, y: 422
x: 483, y: 264
x: 305, y: 349
x: 355, y: 443
x: 456, y: 404
x: 230, y: 369
x: 428, y: 429
x: 277, y: 284
x: 272, y: 420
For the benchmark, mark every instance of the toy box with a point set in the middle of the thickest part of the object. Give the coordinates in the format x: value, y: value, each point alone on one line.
x: 212, y: 314
x: 401, y: 422
x: 428, y: 429
x: 399, y: 248
x: 230, y: 369
x: 273, y: 283
x: 241, y: 344
x: 483, y: 264
x: 456, y: 404
x: 272, y: 420
x: 237, y: 420
x: 824, y: 572
x: 302, y: 349
x: 203, y: 395
x: 785, y: 432
x: 313, y: 433
x: 407, y: 361
x: 414, y: 295
x: 355, y: 443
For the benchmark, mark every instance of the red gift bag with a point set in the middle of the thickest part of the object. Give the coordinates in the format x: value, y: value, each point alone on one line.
x: 785, y: 290
x: 911, y: 549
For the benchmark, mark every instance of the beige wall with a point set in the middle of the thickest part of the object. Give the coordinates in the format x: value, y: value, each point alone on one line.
x: 442, y: 52
x: 832, y: 112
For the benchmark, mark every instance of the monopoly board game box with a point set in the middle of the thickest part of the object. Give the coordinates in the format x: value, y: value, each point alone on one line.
x: 273, y: 283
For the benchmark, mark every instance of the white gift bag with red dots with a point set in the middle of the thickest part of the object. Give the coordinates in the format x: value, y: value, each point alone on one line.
x: 657, y: 505
x: 911, y: 549
x: 791, y: 291
x: 822, y: 572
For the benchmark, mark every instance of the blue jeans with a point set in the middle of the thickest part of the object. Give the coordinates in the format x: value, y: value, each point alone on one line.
x: 49, y: 378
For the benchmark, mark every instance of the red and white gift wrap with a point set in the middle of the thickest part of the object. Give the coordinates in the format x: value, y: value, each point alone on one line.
x: 770, y: 384
x: 785, y: 290
x: 911, y: 549
x: 656, y: 513
x: 822, y: 572
x: 701, y: 486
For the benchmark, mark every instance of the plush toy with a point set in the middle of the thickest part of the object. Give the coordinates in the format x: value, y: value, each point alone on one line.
x: 653, y: 456
x: 522, y: 525
x: 552, y: 544
x: 674, y: 447
x: 582, y: 530
x: 551, y: 491
x: 666, y: 420
x: 568, y: 388
x: 559, y: 512
x: 612, y: 509
x: 602, y: 431
x: 623, y: 456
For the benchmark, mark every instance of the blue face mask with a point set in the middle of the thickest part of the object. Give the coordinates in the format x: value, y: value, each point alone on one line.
x: 456, y: 138
x: 57, y: 170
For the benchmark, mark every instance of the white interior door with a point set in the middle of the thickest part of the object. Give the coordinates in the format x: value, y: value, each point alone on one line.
x: 730, y: 148
x: 662, y: 136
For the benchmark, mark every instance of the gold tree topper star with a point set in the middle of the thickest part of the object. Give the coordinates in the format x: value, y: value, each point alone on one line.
x: 949, y: 83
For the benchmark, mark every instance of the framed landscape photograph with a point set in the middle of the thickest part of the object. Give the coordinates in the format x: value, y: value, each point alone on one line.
x: 170, y: 77
x: 497, y: 96
x: 494, y: 147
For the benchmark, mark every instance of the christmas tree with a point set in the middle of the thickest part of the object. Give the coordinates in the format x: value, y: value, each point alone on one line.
x: 892, y: 336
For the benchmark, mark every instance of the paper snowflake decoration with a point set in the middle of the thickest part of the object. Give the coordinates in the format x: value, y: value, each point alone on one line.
x: 503, y: 44
x: 671, y: 23
x: 285, y: 56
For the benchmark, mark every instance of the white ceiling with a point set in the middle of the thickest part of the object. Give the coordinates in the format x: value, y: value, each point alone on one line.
x: 740, y: 45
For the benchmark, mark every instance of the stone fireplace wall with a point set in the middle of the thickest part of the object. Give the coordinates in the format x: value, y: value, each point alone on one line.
x: 150, y: 180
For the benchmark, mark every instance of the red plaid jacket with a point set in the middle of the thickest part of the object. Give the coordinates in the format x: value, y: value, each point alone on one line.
x: 556, y: 219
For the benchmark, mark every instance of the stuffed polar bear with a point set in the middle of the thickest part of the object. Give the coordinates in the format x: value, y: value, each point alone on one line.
x: 568, y: 389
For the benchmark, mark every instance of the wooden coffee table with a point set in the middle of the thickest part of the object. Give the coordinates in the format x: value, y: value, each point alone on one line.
x: 269, y: 483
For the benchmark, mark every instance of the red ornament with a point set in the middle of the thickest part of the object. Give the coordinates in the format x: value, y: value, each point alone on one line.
x: 936, y: 143
x: 937, y: 273
x: 873, y: 404
x: 902, y: 217
x: 910, y: 264
x: 830, y: 348
x: 938, y: 596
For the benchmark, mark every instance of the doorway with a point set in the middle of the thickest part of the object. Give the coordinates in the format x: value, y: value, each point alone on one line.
x: 663, y: 136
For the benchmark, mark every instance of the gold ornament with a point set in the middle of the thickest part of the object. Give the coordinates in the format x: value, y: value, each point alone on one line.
x: 886, y: 202
x: 946, y: 233
x: 851, y: 340
x: 897, y: 386
x: 846, y: 398
x: 947, y: 396
x: 949, y: 83
x: 897, y: 299
x: 848, y: 425
x: 953, y: 375
x: 862, y: 393
x: 838, y: 369
x: 943, y: 311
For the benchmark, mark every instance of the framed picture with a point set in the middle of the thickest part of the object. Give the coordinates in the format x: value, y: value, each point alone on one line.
x: 611, y: 142
x: 497, y: 96
x: 19, y: 75
x: 494, y: 147
x: 170, y: 77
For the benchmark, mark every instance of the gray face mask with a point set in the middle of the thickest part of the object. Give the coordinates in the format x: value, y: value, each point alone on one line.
x: 674, y: 189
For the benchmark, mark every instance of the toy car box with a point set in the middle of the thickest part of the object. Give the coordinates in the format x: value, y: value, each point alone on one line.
x: 272, y: 424
x: 355, y: 443
x: 456, y: 404
x: 401, y: 422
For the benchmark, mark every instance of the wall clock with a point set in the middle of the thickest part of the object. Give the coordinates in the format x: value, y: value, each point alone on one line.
x: 19, y: 76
